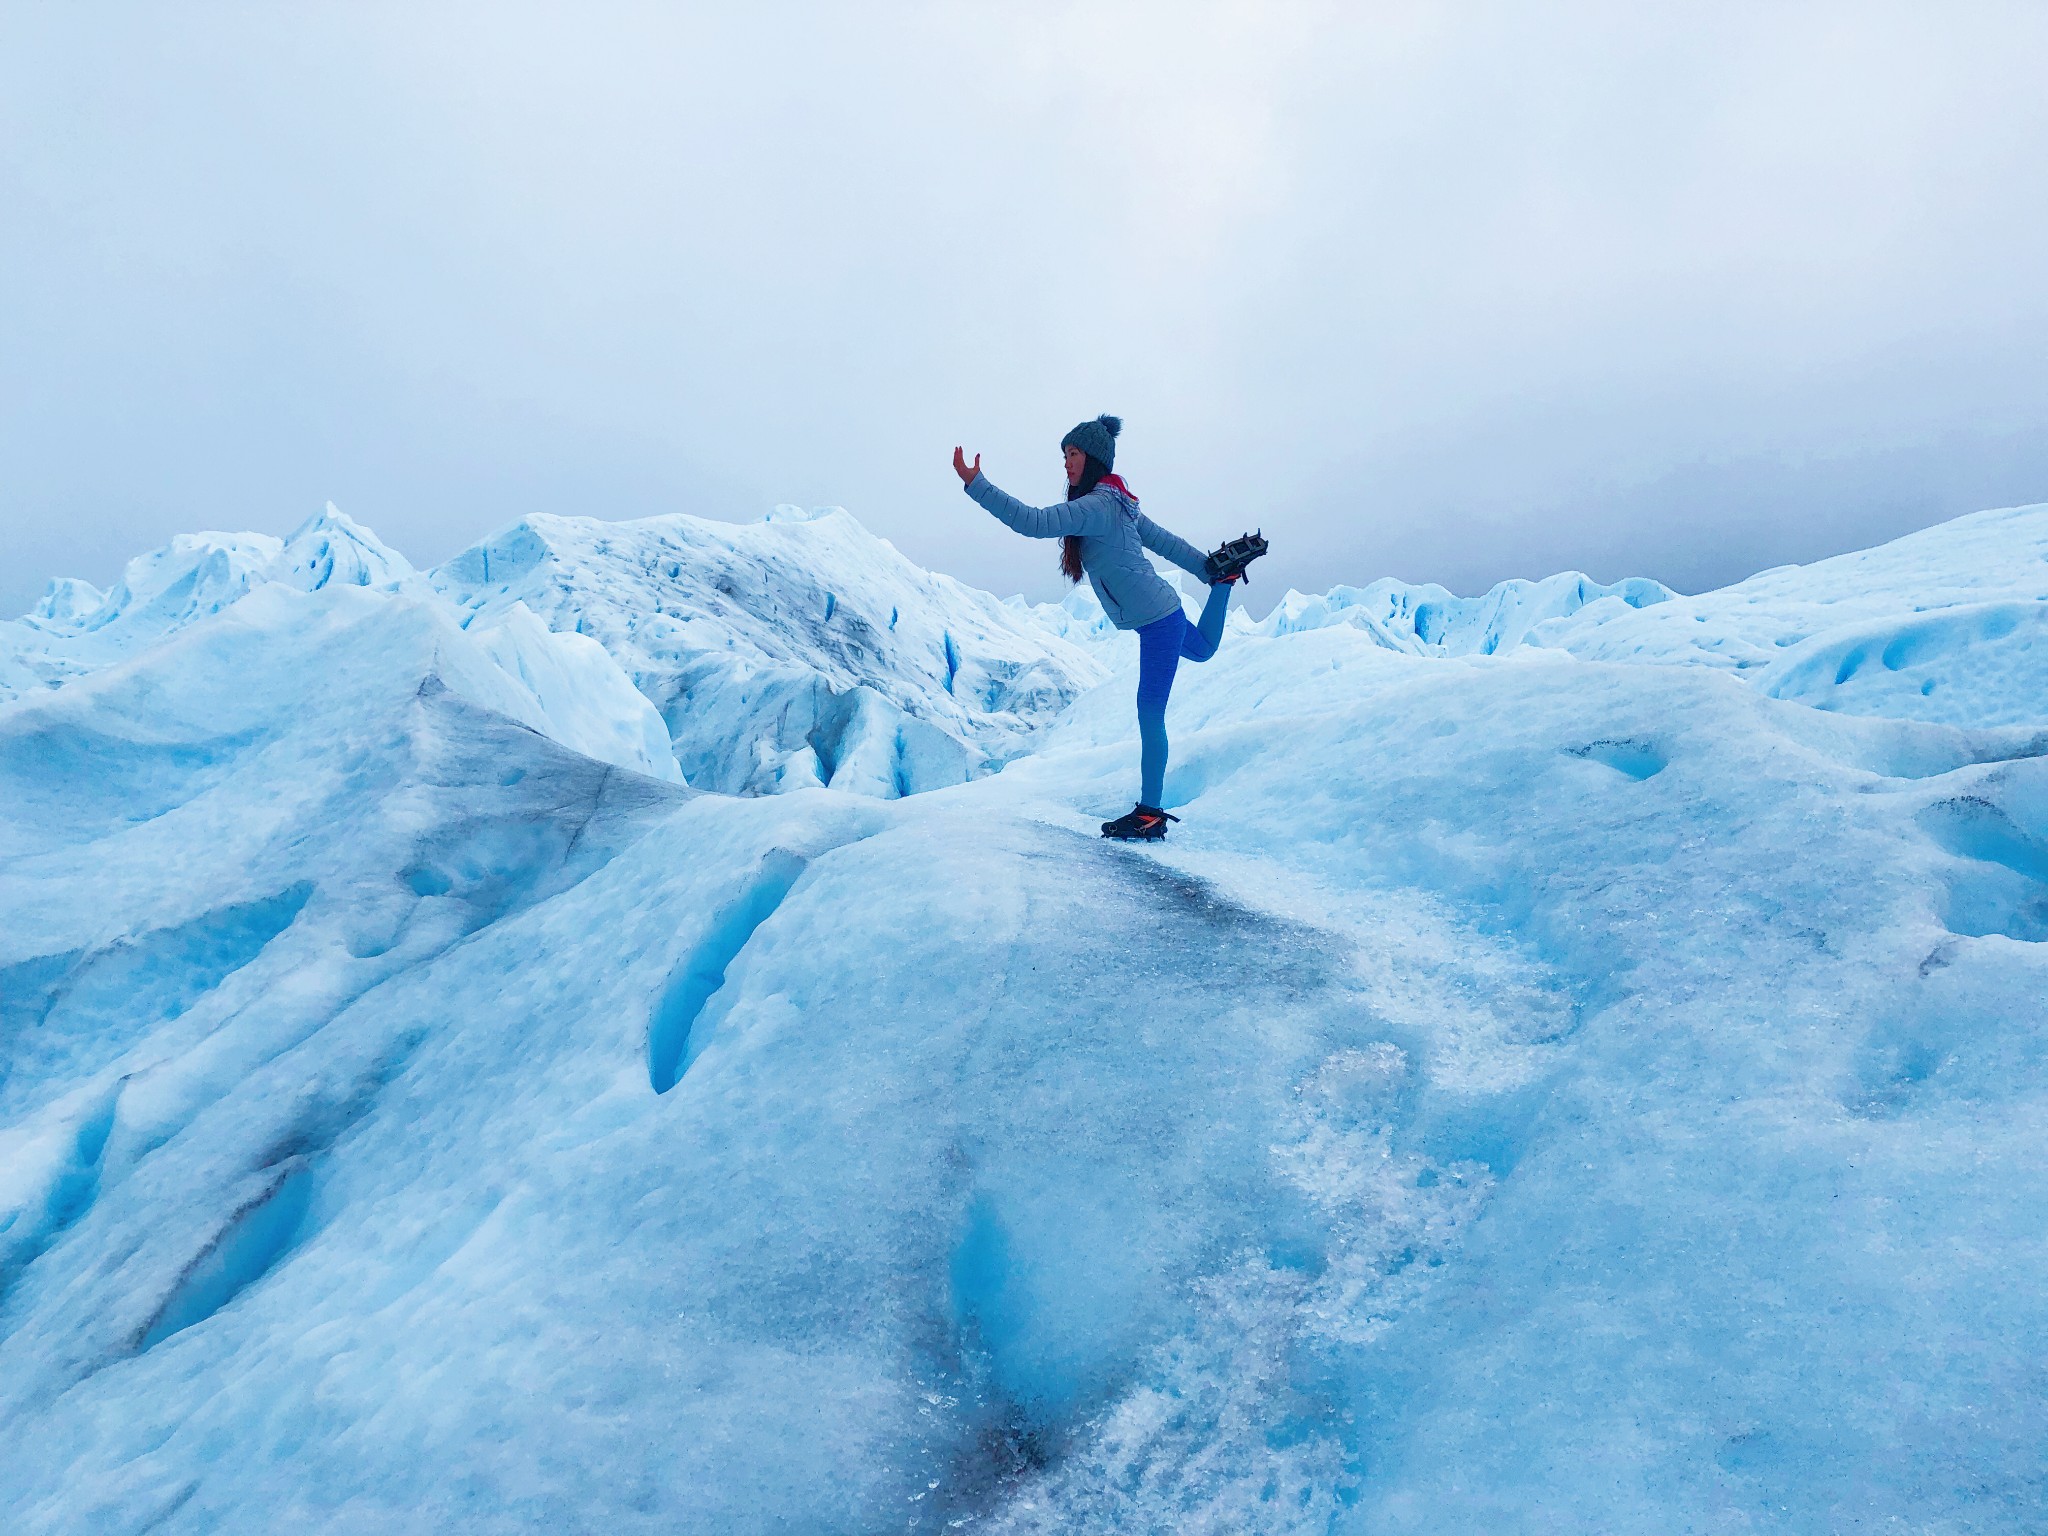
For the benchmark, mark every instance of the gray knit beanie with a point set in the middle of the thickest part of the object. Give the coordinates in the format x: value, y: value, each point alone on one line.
x: 1097, y: 439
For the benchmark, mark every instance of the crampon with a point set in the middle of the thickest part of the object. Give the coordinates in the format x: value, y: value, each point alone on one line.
x: 1229, y: 562
x: 1141, y: 824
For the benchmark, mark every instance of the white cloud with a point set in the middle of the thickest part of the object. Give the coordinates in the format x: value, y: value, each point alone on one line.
x: 1453, y: 290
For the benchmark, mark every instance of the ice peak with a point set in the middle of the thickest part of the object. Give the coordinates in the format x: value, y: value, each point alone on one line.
x: 67, y: 600
x: 332, y: 547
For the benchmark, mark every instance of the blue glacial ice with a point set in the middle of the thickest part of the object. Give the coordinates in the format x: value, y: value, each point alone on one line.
x: 1579, y: 1063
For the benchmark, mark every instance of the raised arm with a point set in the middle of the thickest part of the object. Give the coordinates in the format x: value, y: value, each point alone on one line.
x: 1173, y: 547
x: 1087, y: 515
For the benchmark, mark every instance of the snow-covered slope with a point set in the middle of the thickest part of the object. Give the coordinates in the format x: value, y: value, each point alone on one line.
x: 1528, y: 1093
x: 796, y: 651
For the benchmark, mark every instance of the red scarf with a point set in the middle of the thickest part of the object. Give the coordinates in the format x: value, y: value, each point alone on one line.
x: 1070, y: 546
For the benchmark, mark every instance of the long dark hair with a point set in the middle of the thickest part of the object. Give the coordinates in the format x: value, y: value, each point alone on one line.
x: 1070, y: 546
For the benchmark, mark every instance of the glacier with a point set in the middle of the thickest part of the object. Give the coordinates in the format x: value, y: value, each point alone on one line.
x: 791, y: 653
x: 632, y: 1030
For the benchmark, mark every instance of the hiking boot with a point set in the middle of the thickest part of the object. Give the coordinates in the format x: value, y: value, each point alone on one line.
x: 1141, y: 824
x: 1228, y: 563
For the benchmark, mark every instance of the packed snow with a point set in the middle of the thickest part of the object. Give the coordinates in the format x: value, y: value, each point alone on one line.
x: 1578, y: 1063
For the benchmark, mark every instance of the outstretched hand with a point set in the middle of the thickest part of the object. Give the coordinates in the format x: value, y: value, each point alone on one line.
x: 963, y: 469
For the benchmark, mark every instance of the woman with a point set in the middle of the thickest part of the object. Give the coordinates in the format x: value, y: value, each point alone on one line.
x: 1104, y: 537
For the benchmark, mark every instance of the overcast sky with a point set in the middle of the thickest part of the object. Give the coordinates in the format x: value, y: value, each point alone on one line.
x: 1450, y: 292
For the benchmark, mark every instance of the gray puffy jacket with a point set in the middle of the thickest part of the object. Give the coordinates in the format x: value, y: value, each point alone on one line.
x: 1114, y: 538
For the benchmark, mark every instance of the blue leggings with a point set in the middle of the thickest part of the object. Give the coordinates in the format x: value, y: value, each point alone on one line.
x: 1161, y: 644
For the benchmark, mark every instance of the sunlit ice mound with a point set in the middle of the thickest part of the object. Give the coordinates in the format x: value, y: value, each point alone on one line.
x: 789, y: 653
x: 1526, y: 1092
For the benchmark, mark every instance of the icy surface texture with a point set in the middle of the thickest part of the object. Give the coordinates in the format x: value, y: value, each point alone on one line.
x: 789, y: 653
x: 1526, y: 1093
